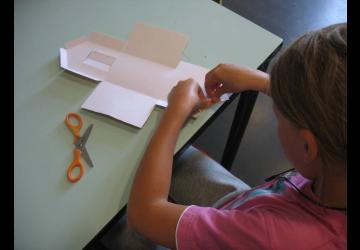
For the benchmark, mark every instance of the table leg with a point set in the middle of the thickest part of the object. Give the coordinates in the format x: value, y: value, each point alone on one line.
x: 242, y: 115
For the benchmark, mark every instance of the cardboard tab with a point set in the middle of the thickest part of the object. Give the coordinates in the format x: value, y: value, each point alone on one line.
x: 107, y: 41
x: 75, y: 42
x: 156, y: 44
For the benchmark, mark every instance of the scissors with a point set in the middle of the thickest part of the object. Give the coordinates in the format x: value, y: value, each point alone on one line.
x: 80, y: 149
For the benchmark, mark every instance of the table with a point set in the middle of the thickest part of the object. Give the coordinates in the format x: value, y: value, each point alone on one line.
x: 49, y: 211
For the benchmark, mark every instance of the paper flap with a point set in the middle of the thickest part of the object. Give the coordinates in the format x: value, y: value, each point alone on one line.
x: 107, y: 41
x: 121, y: 103
x: 63, y: 58
x: 75, y: 42
x: 150, y: 78
x: 91, y: 57
x: 81, y: 60
x: 156, y: 44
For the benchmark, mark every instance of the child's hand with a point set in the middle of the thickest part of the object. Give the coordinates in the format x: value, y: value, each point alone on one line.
x: 229, y: 78
x: 219, y: 81
x: 187, y: 98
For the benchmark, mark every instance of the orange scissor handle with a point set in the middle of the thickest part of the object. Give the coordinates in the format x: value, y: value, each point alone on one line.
x: 75, y: 164
x: 75, y: 128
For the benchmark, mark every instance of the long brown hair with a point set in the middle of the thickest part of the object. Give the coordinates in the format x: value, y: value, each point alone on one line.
x: 309, y: 87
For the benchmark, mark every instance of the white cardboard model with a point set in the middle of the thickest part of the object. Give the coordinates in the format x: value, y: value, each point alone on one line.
x: 135, y: 75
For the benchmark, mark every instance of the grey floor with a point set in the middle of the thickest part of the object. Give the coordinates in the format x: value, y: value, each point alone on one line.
x: 260, y: 154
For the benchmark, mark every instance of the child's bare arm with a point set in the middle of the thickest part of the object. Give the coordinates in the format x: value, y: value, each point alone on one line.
x: 149, y: 211
x: 229, y: 78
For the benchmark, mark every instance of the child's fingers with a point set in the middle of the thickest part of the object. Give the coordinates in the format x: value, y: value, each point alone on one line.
x: 217, y: 92
x: 204, y: 101
x: 211, y: 81
x: 211, y: 88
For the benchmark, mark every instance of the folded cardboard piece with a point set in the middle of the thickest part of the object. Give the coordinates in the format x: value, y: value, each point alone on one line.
x: 135, y: 75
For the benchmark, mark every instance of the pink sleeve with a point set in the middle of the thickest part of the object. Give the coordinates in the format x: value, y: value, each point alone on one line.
x: 210, y: 228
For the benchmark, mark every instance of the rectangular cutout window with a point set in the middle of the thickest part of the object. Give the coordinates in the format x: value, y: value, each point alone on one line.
x: 99, y: 60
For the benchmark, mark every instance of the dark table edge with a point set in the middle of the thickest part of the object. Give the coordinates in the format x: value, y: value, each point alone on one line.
x: 229, y: 151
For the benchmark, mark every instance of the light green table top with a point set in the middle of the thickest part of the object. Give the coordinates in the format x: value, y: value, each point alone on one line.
x: 50, y: 212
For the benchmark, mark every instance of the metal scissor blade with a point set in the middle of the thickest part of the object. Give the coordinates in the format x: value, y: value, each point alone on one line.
x: 82, y: 141
x: 86, y: 157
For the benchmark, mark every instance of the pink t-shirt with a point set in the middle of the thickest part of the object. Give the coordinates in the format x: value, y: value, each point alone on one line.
x: 271, y: 216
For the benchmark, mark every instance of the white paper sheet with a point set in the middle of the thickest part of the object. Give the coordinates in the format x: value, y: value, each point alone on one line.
x: 136, y: 75
x: 121, y: 103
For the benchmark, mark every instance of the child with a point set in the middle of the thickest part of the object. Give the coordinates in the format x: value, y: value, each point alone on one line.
x: 301, y: 209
